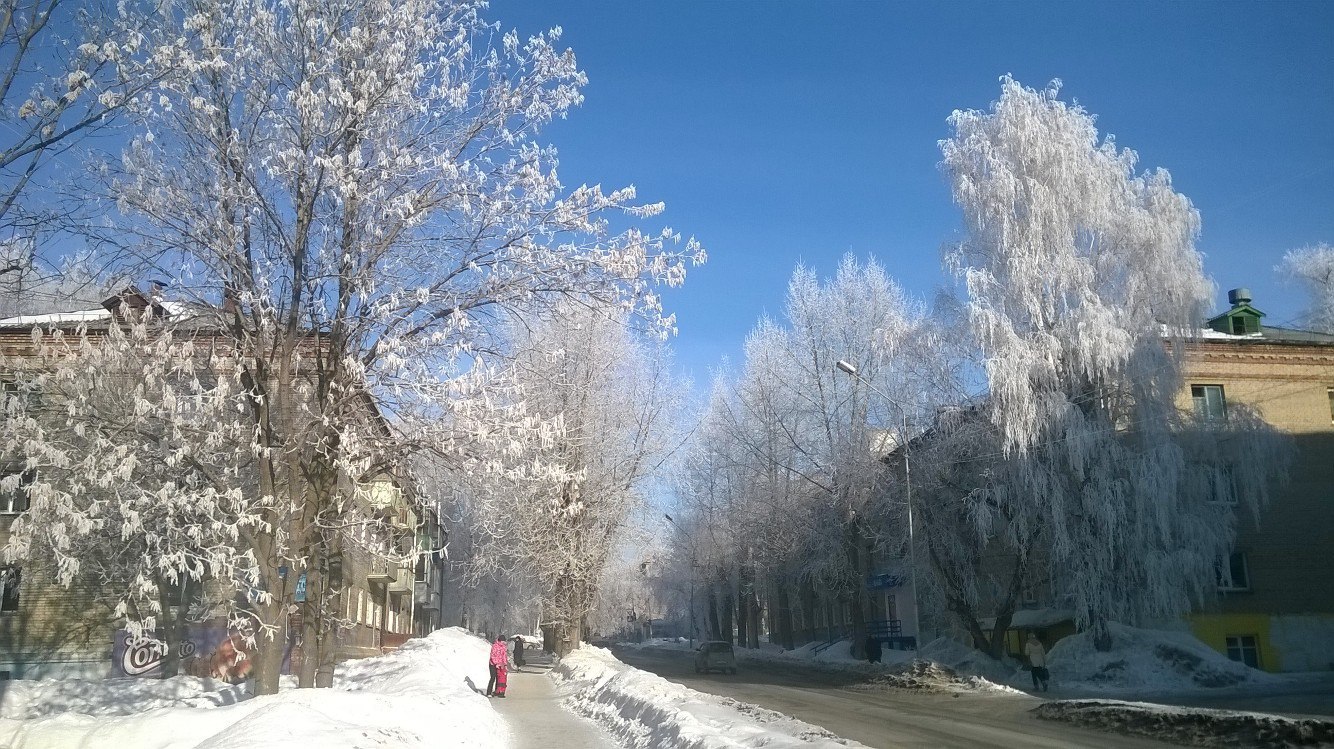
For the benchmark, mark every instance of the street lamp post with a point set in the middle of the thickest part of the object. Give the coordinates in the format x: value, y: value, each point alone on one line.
x: 692, y: 580
x: 847, y: 368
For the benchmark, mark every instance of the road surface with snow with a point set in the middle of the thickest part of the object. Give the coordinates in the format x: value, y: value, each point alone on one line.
x: 846, y: 705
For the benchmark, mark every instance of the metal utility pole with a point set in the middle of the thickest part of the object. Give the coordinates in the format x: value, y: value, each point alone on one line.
x: 847, y: 368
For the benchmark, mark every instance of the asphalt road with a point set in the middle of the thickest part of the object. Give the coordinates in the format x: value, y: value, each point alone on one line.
x: 843, y: 704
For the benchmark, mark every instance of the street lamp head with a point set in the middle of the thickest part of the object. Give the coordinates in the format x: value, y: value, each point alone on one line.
x: 846, y: 367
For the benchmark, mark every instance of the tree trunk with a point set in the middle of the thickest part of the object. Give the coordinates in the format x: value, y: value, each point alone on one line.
x: 742, y: 618
x: 784, y: 617
x: 1102, y: 634
x: 715, y: 626
x: 173, y: 631
x: 728, y: 632
x: 268, y: 653
x: 853, y: 545
x: 312, y: 625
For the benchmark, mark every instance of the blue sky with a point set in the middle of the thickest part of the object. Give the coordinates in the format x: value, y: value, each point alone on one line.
x: 786, y: 132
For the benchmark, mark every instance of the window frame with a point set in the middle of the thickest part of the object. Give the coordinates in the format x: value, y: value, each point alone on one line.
x: 1200, y: 402
x: 8, y: 500
x: 1237, y: 644
x: 1227, y: 479
x: 1228, y: 583
x: 11, y: 588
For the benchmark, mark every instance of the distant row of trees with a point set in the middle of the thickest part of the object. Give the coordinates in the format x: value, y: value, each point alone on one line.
x: 1035, y: 417
x: 367, y: 266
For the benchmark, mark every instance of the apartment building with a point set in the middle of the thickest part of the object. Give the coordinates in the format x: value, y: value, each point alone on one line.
x: 1275, y: 608
x: 51, y: 631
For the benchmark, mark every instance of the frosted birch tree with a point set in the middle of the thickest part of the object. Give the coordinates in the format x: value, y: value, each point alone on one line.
x: 792, y: 437
x: 1080, y: 275
x: 352, y: 195
x: 1312, y: 269
x: 608, y: 403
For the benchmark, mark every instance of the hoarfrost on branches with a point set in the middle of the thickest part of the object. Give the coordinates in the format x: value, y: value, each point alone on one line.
x: 351, y: 200
x: 1312, y: 268
x: 1074, y: 266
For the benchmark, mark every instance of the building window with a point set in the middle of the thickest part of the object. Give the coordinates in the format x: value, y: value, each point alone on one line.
x: 1209, y: 402
x: 28, y: 397
x: 1223, y: 487
x: 1330, y: 392
x: 891, y: 607
x: 1234, y: 573
x: 14, y: 491
x: 9, y: 589
x: 1243, y: 648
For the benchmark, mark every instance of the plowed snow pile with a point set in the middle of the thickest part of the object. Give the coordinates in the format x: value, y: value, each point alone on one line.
x: 409, y: 698
x: 644, y: 710
x: 1191, y: 726
x: 1144, y: 659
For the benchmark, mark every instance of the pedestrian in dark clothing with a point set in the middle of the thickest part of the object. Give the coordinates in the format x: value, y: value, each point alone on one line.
x: 518, y: 651
x: 497, y: 663
x: 872, y: 650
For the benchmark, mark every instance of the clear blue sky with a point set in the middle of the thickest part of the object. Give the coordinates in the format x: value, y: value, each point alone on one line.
x: 782, y: 132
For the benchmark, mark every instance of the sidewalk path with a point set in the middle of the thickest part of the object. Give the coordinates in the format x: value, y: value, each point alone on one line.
x: 535, y: 717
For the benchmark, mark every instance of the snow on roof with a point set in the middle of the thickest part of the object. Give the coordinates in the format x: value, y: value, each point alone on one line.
x: 174, y: 309
x: 55, y: 318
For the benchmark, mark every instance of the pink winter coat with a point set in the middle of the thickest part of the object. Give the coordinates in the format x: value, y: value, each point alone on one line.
x: 499, y: 654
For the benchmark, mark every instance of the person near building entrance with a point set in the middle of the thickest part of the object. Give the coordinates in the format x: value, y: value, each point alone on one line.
x: 873, y: 651
x: 498, y: 662
x: 1037, y: 661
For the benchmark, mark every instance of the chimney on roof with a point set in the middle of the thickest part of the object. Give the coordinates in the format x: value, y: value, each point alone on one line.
x: 1242, y: 319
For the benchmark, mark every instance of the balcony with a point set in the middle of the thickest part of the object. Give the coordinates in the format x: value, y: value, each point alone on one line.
x: 427, y: 598
x: 382, y: 573
x: 402, y: 582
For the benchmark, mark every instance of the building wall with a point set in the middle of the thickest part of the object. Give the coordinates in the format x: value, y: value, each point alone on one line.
x: 56, y: 631
x: 1289, y: 607
x: 68, y: 632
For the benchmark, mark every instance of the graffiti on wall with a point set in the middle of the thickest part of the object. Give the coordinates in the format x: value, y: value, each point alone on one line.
x: 206, y: 651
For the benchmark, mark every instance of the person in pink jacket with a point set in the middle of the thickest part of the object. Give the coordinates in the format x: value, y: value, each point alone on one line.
x: 499, y: 660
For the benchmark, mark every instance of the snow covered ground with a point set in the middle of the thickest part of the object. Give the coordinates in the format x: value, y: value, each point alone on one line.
x: 1140, y: 662
x: 424, y: 694
x: 644, y: 710
x: 1152, y: 661
x: 409, y: 698
x: 429, y: 690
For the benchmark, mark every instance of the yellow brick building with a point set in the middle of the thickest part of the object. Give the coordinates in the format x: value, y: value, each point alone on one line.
x: 1275, y: 608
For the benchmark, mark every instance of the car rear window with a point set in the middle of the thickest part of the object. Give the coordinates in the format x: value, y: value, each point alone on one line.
x: 719, y: 647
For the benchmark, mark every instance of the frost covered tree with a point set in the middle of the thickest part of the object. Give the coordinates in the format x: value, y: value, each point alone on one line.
x: 608, y: 402
x: 1312, y: 268
x: 792, y: 437
x: 1080, y: 275
x: 134, y: 466
x: 350, y: 196
x: 68, y: 71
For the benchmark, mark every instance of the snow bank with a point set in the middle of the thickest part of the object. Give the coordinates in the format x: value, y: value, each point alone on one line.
x: 413, y: 697
x: 644, y: 710
x: 1145, y: 659
x: 1190, y: 726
